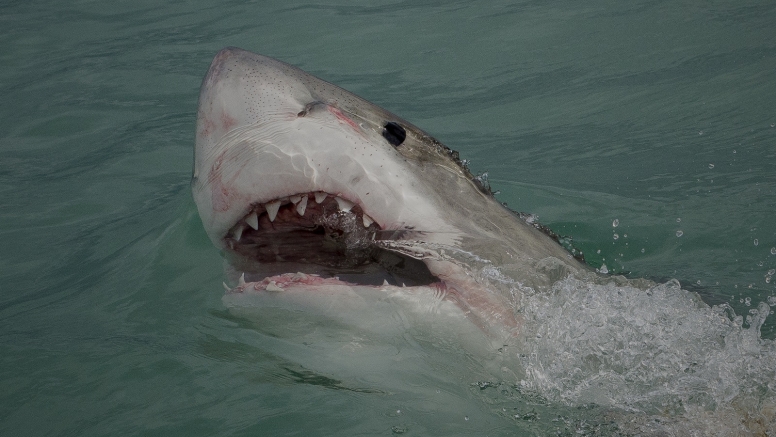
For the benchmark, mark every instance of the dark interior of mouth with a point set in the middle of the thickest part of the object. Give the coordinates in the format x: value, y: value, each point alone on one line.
x: 321, y: 234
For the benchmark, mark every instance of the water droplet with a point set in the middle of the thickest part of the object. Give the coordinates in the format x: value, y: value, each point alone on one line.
x: 598, y: 251
x: 466, y: 418
x: 615, y: 236
x: 679, y: 233
x: 642, y: 250
x: 615, y: 223
x: 756, y: 242
x: 603, y: 269
x: 711, y: 166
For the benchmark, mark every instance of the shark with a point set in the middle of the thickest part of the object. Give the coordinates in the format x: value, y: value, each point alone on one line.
x: 305, y: 187
x: 328, y: 207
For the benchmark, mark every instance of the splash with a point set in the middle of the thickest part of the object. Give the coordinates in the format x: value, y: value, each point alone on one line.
x: 654, y: 353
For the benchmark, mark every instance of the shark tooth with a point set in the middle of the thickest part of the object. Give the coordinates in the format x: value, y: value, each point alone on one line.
x: 226, y: 287
x: 241, y: 281
x: 253, y: 220
x: 302, y: 205
x: 273, y: 286
x: 367, y: 220
x: 295, y: 199
x: 320, y: 196
x: 237, y: 233
x: 344, y: 205
x: 272, y: 209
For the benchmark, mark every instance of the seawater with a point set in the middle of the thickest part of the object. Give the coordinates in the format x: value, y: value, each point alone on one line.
x: 644, y: 133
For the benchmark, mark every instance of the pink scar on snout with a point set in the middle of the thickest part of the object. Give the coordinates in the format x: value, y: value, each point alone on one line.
x: 343, y: 118
x: 227, y: 121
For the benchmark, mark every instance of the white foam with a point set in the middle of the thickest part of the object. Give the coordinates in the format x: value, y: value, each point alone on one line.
x: 655, y: 350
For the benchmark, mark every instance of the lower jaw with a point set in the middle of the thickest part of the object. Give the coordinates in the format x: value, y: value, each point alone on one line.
x: 377, y: 268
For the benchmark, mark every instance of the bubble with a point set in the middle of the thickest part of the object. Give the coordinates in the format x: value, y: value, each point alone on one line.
x: 748, y: 301
x: 711, y: 166
x: 772, y: 300
x: 773, y: 250
x: 698, y: 282
x: 679, y: 233
x: 466, y: 418
x: 678, y: 219
x: 615, y: 223
x: 700, y: 132
x: 756, y: 242
x: 598, y: 251
x: 603, y: 269
x: 642, y: 250
x: 771, y: 272
x: 767, y: 279
x: 615, y: 236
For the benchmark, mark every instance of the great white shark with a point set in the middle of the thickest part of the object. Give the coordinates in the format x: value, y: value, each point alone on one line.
x: 302, y: 181
x: 325, y: 202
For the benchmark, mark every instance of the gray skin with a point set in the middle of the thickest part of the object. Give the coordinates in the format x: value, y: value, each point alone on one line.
x: 267, y: 130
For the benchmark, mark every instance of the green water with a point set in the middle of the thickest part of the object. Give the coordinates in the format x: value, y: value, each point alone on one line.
x: 658, y: 117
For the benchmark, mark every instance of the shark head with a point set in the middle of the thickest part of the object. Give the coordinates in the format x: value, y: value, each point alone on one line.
x: 269, y: 132
x: 291, y: 170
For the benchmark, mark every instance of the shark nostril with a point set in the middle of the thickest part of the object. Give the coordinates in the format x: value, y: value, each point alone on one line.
x: 394, y: 133
x: 309, y: 107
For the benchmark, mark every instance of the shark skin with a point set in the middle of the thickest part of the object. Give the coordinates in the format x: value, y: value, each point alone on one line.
x: 295, y: 174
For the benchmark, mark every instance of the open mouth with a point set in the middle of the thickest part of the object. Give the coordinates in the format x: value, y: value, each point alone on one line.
x: 323, y: 234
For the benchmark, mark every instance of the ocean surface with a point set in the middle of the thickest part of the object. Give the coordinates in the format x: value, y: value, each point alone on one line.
x: 643, y: 132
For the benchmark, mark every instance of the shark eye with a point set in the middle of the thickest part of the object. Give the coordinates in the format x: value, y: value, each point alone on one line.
x: 394, y: 133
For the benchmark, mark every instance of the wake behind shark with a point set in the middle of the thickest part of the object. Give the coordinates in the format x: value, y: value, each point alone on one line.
x: 327, y: 205
x: 295, y: 175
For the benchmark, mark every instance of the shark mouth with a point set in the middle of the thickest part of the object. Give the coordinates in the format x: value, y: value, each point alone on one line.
x: 322, y: 234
